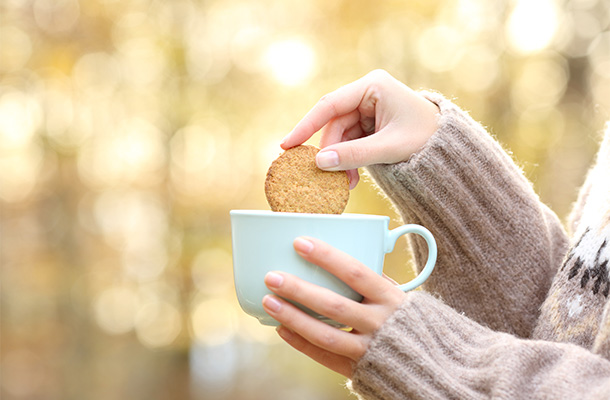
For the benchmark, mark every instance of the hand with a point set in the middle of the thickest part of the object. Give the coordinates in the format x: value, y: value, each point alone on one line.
x: 373, y: 120
x: 334, y: 348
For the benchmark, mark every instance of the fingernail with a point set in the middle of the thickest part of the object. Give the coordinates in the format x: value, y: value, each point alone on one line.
x: 274, y: 279
x: 284, y: 140
x: 272, y: 303
x: 354, y: 177
x: 284, y: 333
x: 302, y: 245
x: 327, y: 159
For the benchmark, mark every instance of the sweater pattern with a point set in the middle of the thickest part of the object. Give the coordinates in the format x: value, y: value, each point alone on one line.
x: 590, y: 268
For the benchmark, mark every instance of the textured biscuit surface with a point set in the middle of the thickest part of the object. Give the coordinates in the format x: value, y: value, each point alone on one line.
x: 294, y: 183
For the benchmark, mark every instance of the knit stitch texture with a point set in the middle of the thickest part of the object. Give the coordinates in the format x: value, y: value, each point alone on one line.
x: 514, y: 309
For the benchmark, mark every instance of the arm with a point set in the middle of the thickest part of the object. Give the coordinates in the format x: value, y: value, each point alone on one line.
x: 499, y: 246
x: 427, y: 351
x: 375, y: 119
x: 414, y: 346
x: 581, y: 212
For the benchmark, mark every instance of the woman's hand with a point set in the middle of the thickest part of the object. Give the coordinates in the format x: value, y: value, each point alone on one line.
x: 334, y: 348
x: 374, y: 120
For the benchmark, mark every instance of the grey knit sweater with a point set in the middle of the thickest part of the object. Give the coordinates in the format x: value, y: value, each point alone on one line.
x: 515, y: 309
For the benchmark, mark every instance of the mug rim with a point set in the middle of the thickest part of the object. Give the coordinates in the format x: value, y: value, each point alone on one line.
x: 280, y: 214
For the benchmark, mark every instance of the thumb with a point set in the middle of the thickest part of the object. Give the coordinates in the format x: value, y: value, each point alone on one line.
x: 356, y: 153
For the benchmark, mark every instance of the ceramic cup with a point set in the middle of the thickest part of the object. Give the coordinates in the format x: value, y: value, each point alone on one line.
x: 262, y: 242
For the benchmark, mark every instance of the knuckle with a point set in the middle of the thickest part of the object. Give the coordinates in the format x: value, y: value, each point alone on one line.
x: 327, y: 101
x: 324, y: 98
x: 321, y: 250
x: 359, y: 349
x: 292, y: 291
x: 327, y: 339
x: 288, y: 320
x: 297, y: 344
x: 311, y: 126
x: 393, y: 295
x: 379, y: 73
x: 335, y: 307
x: 356, y: 274
x: 327, y: 358
x: 367, y: 125
x: 357, y: 154
x: 289, y: 290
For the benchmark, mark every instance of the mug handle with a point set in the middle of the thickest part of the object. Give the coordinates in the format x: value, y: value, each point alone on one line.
x: 392, y: 237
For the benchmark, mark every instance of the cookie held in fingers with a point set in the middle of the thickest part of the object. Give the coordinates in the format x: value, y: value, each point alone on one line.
x: 294, y: 183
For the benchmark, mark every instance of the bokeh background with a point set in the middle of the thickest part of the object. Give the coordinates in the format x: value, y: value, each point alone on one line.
x: 130, y: 128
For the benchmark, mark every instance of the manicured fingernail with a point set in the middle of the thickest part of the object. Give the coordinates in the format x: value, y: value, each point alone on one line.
x: 272, y: 303
x: 284, y: 333
x: 327, y: 159
x: 353, y: 176
x: 274, y: 279
x: 283, y: 141
x: 302, y: 245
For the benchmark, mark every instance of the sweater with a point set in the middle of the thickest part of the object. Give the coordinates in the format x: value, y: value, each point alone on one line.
x: 516, y: 307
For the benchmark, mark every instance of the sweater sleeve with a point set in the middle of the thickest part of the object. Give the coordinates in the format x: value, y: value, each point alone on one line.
x: 426, y: 350
x: 499, y: 246
x: 586, y: 211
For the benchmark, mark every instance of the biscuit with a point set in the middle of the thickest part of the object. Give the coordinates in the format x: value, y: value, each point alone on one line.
x: 294, y: 183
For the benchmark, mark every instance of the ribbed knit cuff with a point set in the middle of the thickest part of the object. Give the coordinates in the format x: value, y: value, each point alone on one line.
x: 461, y: 167
x: 459, y: 185
x: 426, y: 350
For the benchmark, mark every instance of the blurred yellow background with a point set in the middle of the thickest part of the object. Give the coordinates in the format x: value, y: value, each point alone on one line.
x: 130, y: 128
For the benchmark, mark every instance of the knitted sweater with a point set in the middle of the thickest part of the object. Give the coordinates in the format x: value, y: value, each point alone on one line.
x: 514, y: 309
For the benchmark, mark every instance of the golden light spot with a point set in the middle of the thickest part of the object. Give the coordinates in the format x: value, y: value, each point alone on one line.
x: 540, y: 83
x: 439, y: 47
x: 115, y: 310
x: 133, y: 152
x: 292, y: 61
x: 477, y: 69
x: 56, y: 16
x: 213, y: 321
x: 158, y: 324
x: 532, y: 25
x: 23, y: 372
x: 16, y: 48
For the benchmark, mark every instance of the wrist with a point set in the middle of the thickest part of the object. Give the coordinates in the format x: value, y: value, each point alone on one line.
x: 427, y: 124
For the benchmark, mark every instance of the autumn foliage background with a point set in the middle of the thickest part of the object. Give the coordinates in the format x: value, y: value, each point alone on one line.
x: 130, y: 128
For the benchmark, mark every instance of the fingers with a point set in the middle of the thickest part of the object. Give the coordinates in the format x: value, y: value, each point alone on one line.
x: 314, y: 331
x: 392, y: 281
x: 333, y: 105
x: 335, y: 362
x: 356, y: 275
x: 331, y: 347
x: 344, y: 128
x: 373, y: 120
x: 334, y: 131
x: 354, y: 177
x: 389, y: 145
x: 346, y: 155
x: 321, y: 300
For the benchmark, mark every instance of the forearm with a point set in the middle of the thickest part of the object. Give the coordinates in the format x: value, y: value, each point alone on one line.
x: 498, y: 244
x: 426, y: 350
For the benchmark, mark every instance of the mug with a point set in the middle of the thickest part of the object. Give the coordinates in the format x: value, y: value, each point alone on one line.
x: 262, y: 242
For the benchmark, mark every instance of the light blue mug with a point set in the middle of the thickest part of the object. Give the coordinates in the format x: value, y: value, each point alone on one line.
x: 262, y: 242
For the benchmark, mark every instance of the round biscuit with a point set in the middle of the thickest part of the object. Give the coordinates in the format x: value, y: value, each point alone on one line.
x: 294, y: 183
